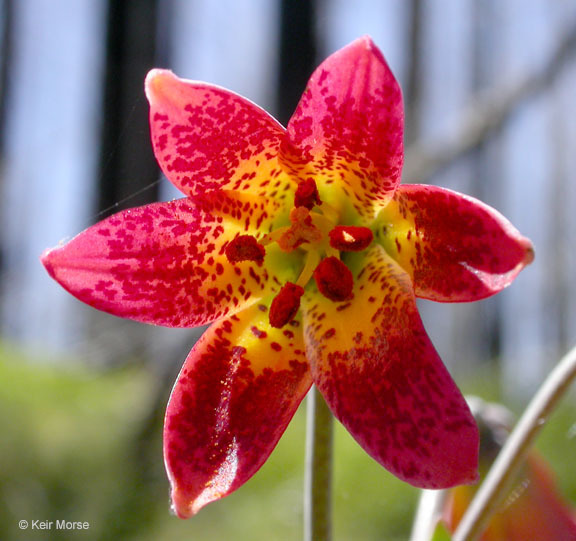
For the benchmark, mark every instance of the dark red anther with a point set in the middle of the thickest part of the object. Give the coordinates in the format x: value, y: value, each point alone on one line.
x: 334, y: 279
x: 245, y: 248
x: 350, y: 238
x: 285, y: 305
x: 307, y: 194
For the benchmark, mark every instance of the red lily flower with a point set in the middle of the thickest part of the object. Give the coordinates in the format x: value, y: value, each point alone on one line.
x: 307, y: 255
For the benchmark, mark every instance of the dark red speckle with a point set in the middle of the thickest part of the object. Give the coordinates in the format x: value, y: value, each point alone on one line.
x: 258, y: 333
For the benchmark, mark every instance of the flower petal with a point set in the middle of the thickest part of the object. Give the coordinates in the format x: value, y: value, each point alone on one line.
x: 164, y: 263
x: 349, y: 125
x: 234, y: 397
x: 206, y: 138
x: 382, y: 378
x: 455, y: 247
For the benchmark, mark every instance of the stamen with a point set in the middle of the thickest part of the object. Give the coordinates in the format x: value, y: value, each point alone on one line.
x: 330, y: 212
x: 274, y: 236
x: 285, y: 305
x: 311, y: 262
x: 350, y: 238
x: 322, y: 222
x: 334, y: 279
x: 307, y: 194
x: 245, y: 248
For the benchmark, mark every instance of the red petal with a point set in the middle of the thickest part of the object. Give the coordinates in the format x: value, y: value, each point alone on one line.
x: 234, y: 397
x: 349, y: 124
x: 455, y: 247
x: 382, y: 378
x: 206, y: 137
x: 165, y: 263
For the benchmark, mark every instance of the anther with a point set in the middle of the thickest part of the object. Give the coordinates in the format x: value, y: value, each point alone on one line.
x: 350, y: 238
x: 307, y: 194
x: 285, y: 305
x: 334, y: 279
x: 245, y: 248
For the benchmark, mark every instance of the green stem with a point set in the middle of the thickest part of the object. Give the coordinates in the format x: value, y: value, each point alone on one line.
x: 318, y: 472
x: 497, y: 482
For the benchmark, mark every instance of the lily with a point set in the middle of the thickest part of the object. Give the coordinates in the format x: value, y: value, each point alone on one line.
x: 306, y: 254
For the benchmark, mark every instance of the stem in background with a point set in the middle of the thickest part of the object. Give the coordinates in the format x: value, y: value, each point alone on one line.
x: 428, y: 514
x: 497, y: 482
x: 318, y: 469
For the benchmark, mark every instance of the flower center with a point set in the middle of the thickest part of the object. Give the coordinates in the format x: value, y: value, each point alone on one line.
x: 315, y: 232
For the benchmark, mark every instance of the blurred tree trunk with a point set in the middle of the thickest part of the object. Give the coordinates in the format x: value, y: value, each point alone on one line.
x: 6, y: 25
x: 129, y: 173
x: 485, y: 168
x: 297, y: 53
x: 413, y: 90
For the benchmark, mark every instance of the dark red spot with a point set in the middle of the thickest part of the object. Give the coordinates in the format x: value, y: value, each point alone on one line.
x: 307, y: 194
x: 334, y: 279
x: 276, y: 346
x: 258, y: 333
x: 329, y: 333
x: 238, y: 351
x: 245, y: 248
x: 350, y: 238
x: 285, y: 305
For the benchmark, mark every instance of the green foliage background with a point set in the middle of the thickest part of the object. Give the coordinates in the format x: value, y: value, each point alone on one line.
x: 85, y: 445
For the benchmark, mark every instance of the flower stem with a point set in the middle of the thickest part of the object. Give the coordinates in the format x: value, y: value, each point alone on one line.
x: 318, y: 472
x: 495, y: 487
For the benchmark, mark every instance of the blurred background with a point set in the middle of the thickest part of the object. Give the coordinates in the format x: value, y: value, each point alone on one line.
x: 490, y: 93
